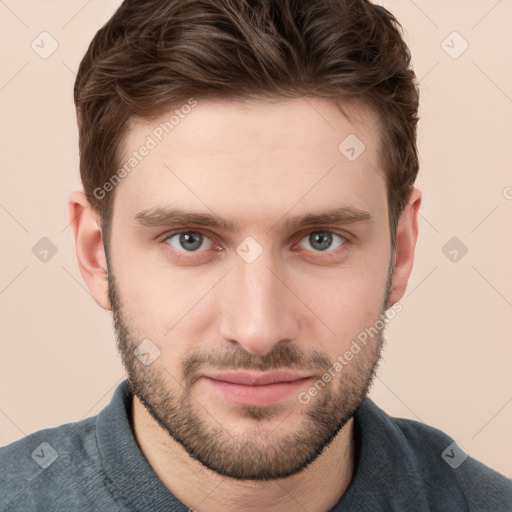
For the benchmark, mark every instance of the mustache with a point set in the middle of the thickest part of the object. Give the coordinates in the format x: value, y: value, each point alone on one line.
x: 281, y: 357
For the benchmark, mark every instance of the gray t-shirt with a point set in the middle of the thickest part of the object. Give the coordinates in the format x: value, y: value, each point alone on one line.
x: 96, y: 465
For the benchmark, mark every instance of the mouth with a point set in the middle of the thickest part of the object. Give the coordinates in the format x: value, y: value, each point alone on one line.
x: 256, y: 388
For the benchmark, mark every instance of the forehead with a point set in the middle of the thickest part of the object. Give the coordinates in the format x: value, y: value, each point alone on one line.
x: 261, y: 156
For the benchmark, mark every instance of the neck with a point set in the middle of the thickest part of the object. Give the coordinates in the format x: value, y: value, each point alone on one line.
x: 318, y: 487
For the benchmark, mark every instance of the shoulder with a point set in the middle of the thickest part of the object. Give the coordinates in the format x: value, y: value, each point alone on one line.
x: 48, y: 463
x: 443, y: 466
x: 442, y: 459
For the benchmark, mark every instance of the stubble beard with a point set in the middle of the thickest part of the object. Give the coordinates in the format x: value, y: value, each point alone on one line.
x: 258, y: 453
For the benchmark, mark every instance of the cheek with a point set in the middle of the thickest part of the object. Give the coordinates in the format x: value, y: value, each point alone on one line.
x: 148, y: 300
x: 168, y: 306
x: 348, y: 299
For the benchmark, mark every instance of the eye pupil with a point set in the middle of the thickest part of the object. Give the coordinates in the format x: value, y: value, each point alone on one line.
x: 187, y: 238
x: 325, y: 240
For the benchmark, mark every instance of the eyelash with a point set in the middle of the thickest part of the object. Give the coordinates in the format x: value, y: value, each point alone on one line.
x: 193, y: 256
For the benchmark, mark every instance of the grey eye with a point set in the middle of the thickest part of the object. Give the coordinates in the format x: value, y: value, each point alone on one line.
x: 322, y: 240
x: 186, y: 240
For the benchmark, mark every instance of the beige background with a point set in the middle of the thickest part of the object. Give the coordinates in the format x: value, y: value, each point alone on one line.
x: 448, y: 359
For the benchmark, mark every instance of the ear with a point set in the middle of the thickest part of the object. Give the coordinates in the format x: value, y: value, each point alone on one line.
x: 406, y: 236
x: 90, y: 252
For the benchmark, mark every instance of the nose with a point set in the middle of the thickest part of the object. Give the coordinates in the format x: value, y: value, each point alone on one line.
x: 259, y: 309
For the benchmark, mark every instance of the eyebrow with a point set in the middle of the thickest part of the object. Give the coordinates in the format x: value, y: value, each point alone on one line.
x: 159, y: 216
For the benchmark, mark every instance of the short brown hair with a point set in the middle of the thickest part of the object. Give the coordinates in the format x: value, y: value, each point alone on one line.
x: 154, y: 54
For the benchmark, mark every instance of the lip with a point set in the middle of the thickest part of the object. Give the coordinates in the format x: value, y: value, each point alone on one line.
x: 256, y: 388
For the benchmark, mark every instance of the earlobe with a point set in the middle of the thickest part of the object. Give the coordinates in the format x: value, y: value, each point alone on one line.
x: 90, y: 252
x: 406, y: 237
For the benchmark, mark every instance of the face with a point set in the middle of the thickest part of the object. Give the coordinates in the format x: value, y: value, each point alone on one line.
x: 265, y: 291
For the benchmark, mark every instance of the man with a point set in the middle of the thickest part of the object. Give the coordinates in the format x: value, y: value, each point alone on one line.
x: 249, y: 216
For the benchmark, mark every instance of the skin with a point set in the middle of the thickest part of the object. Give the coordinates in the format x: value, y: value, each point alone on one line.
x: 294, y: 307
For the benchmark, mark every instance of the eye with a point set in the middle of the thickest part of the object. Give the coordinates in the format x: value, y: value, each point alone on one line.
x: 183, y: 242
x: 321, y: 240
x: 190, y: 241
